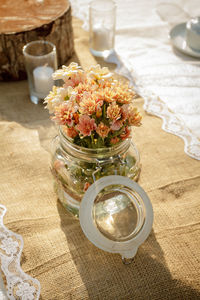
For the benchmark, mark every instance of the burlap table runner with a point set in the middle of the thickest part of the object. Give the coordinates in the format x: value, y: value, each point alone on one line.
x: 56, y: 252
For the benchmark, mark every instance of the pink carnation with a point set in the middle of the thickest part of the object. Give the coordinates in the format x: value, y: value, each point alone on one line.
x: 116, y: 125
x: 125, y: 111
x: 87, y: 104
x: 64, y: 114
x: 125, y: 134
x: 135, y: 118
x: 131, y: 113
x: 86, y: 125
x: 114, y: 140
x: 102, y: 130
x: 90, y: 104
x: 71, y: 132
x: 113, y: 112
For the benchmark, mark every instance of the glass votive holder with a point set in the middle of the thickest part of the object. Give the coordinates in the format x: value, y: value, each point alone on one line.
x: 102, y: 16
x: 41, y: 62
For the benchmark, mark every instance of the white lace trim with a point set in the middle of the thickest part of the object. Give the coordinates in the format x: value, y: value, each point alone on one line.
x: 19, y: 284
x: 155, y: 106
x: 171, y: 123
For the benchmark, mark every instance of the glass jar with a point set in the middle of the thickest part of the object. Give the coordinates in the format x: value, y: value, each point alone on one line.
x: 75, y: 168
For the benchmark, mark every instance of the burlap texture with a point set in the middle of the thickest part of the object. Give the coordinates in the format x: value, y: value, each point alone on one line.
x: 56, y: 252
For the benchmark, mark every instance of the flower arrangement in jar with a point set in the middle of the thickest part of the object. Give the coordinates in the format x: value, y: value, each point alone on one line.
x: 95, y: 113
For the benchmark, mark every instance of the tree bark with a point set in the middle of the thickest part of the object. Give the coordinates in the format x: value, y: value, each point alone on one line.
x: 23, y: 21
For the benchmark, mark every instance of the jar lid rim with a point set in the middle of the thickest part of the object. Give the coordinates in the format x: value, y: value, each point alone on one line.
x: 126, y: 248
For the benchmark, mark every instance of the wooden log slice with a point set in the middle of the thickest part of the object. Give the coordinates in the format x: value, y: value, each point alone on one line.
x: 23, y: 21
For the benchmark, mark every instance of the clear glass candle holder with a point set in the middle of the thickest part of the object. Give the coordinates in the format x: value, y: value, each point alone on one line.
x: 102, y: 15
x: 41, y: 62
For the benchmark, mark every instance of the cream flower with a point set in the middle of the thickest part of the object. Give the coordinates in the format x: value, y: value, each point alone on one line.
x: 52, y: 100
x: 66, y: 94
x: 67, y: 72
x: 57, y: 96
x: 98, y: 73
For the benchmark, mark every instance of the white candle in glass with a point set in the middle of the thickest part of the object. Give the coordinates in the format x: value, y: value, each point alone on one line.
x: 43, y: 81
x: 102, y: 40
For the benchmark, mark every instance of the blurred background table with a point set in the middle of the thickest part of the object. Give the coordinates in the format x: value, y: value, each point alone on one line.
x: 56, y: 252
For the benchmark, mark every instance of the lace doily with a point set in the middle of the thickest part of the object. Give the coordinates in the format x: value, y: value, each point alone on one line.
x: 145, y: 57
x: 19, y: 284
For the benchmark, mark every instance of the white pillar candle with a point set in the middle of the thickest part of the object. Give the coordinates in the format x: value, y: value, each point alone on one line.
x: 102, y: 38
x: 43, y: 80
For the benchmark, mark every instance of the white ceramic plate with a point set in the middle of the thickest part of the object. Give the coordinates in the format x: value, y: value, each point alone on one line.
x: 177, y: 36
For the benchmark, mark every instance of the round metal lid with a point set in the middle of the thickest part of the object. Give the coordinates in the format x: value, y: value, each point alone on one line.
x: 116, y: 215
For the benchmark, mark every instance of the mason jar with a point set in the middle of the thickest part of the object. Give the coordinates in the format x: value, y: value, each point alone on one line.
x: 75, y: 168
